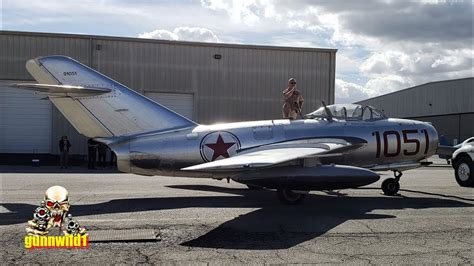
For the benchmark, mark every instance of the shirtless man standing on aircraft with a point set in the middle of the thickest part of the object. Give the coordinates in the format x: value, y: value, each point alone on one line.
x: 293, y: 100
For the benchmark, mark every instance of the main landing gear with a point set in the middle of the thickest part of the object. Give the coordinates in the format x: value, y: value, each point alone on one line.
x: 290, y: 197
x: 391, y: 186
x: 254, y: 187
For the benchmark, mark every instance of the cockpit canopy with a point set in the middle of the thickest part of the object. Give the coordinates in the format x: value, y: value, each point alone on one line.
x: 347, y: 112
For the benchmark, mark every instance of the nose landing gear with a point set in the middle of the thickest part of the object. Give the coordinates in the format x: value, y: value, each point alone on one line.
x: 391, y: 186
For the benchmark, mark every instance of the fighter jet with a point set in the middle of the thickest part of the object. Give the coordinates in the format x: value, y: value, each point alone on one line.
x: 334, y: 147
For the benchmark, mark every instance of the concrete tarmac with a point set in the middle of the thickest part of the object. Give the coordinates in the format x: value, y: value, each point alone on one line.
x: 204, y: 221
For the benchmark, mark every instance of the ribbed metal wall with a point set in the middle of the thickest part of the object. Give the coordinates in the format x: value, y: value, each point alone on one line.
x: 455, y: 128
x: 17, y: 48
x: 245, y: 84
x: 448, y: 105
x: 435, y: 98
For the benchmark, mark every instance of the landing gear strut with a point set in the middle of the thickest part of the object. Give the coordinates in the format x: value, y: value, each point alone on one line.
x: 254, y: 187
x: 288, y: 196
x: 391, y: 186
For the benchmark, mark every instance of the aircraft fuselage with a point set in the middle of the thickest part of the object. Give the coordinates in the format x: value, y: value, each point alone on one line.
x: 391, y: 144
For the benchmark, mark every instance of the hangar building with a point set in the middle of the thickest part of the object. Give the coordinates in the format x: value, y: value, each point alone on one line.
x: 447, y: 104
x: 206, y: 82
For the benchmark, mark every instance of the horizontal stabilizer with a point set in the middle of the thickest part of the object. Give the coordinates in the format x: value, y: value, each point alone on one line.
x: 63, y: 90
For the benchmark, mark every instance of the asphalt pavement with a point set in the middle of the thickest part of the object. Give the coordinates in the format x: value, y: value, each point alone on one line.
x: 204, y: 221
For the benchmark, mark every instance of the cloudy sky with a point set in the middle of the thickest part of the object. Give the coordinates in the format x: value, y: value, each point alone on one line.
x: 383, y: 46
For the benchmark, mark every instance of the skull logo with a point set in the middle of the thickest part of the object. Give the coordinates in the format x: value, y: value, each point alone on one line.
x: 57, y: 202
x: 54, y: 212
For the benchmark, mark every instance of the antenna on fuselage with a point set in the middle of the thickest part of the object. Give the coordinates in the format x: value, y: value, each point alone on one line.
x: 328, y: 112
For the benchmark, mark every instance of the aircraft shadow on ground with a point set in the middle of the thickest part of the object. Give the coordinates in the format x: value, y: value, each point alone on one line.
x: 271, y: 226
x: 425, y: 193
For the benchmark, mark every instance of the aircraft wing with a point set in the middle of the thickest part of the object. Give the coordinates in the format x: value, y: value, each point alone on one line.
x: 276, y: 154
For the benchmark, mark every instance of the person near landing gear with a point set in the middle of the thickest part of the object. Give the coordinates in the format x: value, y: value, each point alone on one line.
x: 102, y: 149
x: 64, y: 146
x: 112, y: 159
x: 92, y: 150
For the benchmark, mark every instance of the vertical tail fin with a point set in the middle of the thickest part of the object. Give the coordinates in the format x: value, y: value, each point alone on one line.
x: 118, y: 112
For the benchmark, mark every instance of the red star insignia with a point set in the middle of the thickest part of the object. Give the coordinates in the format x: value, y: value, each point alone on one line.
x: 220, y: 148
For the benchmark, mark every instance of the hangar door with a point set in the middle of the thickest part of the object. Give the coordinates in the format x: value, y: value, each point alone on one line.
x: 181, y: 103
x: 25, y: 121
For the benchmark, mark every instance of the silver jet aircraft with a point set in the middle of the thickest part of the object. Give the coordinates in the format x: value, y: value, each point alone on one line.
x: 334, y: 147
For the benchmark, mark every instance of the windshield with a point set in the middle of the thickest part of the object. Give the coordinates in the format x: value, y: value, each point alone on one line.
x: 347, y: 112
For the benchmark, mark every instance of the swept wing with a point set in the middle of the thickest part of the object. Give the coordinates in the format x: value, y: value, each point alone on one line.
x: 280, y: 153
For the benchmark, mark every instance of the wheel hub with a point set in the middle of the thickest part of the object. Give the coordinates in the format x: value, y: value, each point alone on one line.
x: 391, y: 186
x: 464, y: 172
x: 291, y: 196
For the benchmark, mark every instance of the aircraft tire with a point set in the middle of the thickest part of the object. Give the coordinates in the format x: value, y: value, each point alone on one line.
x: 287, y: 196
x: 390, y: 186
x: 253, y: 187
x: 463, y: 171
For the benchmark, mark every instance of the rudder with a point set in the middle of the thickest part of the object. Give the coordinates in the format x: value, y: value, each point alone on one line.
x: 116, y: 113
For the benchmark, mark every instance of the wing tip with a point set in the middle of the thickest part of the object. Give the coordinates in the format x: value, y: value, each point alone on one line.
x: 189, y: 168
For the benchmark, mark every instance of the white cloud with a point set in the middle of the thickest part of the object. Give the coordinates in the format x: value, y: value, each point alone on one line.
x: 385, y: 84
x: 194, y: 34
x: 1, y: 15
x: 159, y: 34
x: 248, y: 12
x: 347, y: 92
x: 410, y: 66
x: 346, y: 62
